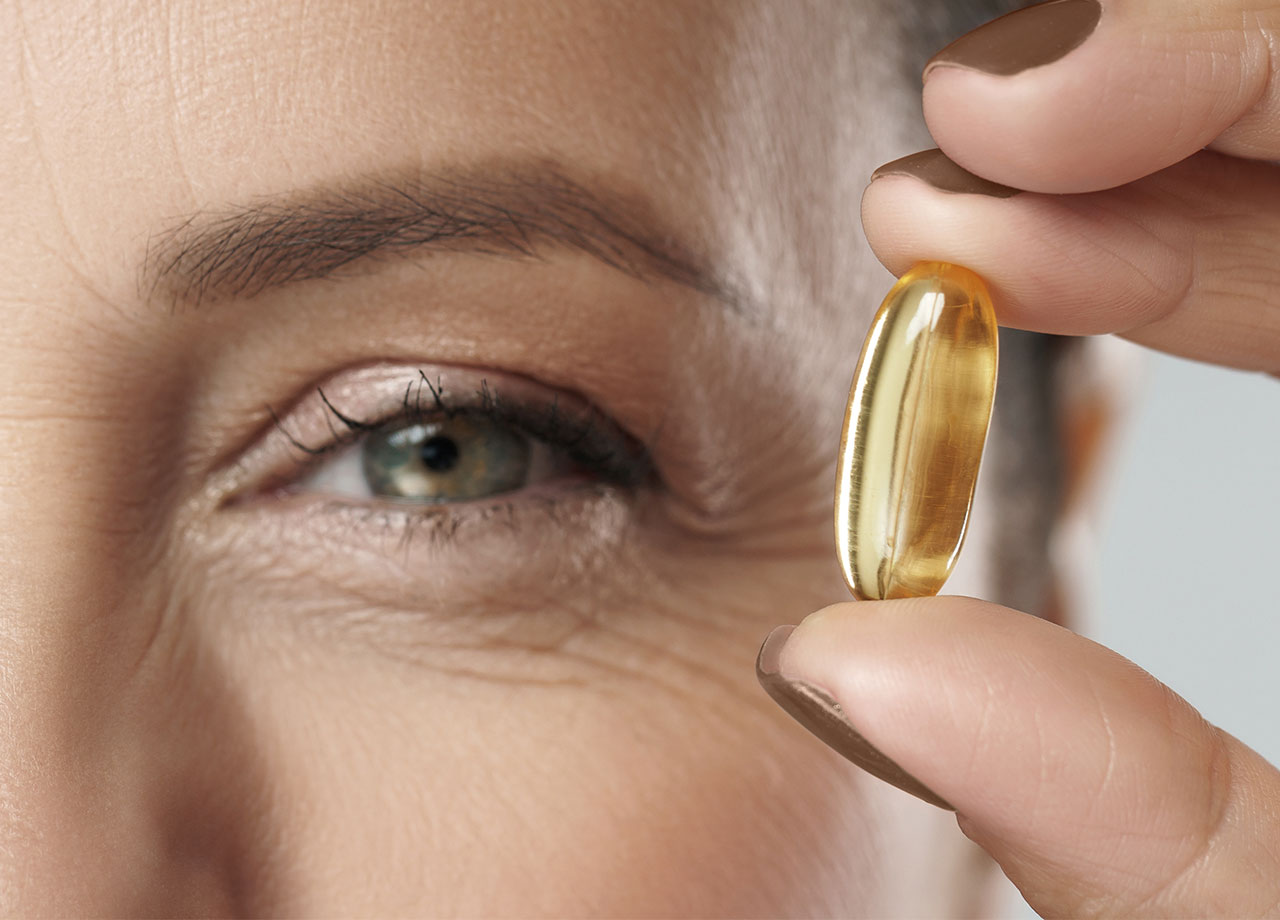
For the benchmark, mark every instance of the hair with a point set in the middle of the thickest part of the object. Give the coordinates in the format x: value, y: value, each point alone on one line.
x: 1025, y: 449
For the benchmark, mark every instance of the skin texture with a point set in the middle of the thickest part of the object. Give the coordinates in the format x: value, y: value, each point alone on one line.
x: 219, y: 698
x: 223, y: 693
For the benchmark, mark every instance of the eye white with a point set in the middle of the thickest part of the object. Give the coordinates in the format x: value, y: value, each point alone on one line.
x: 341, y: 473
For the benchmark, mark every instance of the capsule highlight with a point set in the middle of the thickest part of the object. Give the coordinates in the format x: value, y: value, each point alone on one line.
x: 914, y: 431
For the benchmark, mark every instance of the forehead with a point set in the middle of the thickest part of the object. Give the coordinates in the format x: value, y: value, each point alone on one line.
x: 722, y: 115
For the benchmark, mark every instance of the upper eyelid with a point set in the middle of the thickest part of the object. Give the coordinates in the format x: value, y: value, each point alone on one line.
x: 358, y: 428
x: 482, y: 402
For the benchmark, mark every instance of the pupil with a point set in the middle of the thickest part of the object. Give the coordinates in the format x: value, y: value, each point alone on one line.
x: 439, y: 453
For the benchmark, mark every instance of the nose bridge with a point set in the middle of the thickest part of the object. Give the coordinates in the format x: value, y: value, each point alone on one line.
x: 127, y: 767
x: 126, y: 760
x: 130, y: 779
x: 54, y: 777
x: 58, y: 680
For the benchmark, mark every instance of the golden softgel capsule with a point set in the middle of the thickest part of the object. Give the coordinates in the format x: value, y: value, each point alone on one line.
x: 914, y: 431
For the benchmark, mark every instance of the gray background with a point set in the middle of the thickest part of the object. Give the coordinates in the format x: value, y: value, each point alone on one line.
x: 1188, y: 557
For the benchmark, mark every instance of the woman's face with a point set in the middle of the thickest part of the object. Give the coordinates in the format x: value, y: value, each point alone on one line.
x: 583, y: 284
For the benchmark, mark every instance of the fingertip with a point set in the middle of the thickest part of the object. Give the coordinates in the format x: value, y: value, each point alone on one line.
x: 1058, y: 264
x: 936, y: 169
x: 907, y: 218
x: 1141, y: 93
x: 1029, y: 133
x: 839, y: 636
x: 1034, y: 36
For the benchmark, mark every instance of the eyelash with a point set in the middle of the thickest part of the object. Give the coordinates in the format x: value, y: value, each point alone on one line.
x: 588, y: 439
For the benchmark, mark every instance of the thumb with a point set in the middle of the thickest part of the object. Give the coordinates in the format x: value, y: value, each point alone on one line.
x: 1098, y: 790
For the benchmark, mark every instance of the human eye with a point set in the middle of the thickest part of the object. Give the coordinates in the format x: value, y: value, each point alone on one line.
x: 472, y: 442
x: 452, y: 436
x: 480, y: 477
x: 435, y: 489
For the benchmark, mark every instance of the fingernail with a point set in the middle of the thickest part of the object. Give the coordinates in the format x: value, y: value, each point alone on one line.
x: 817, y: 711
x: 1026, y: 38
x: 940, y: 171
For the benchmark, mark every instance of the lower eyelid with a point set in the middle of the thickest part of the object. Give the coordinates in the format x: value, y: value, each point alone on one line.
x: 575, y: 515
x: 401, y: 580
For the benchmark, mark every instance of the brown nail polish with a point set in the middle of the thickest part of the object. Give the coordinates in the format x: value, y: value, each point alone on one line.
x: 937, y: 169
x: 1026, y: 38
x: 815, y: 709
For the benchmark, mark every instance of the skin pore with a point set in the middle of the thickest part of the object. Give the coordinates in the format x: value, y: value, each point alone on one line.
x: 225, y: 692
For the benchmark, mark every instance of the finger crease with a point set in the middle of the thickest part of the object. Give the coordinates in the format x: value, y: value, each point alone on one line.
x: 1220, y: 779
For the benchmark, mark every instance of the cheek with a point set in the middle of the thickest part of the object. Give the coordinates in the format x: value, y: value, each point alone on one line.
x: 231, y: 742
x: 634, y: 769
x: 466, y: 796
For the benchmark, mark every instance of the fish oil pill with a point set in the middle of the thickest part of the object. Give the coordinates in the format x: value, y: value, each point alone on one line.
x: 914, y: 430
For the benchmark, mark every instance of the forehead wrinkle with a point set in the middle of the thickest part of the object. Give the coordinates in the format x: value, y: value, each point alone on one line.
x: 511, y: 210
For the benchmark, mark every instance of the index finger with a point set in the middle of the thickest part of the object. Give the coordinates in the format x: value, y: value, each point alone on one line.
x: 1078, y: 95
x: 1183, y: 260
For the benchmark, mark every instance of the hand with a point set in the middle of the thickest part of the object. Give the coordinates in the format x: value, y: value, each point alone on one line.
x: 1118, y: 182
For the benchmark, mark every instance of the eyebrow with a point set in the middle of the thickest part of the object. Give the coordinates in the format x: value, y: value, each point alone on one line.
x: 512, y: 210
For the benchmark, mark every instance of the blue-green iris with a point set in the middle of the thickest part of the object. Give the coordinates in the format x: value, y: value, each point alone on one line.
x: 448, y: 460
